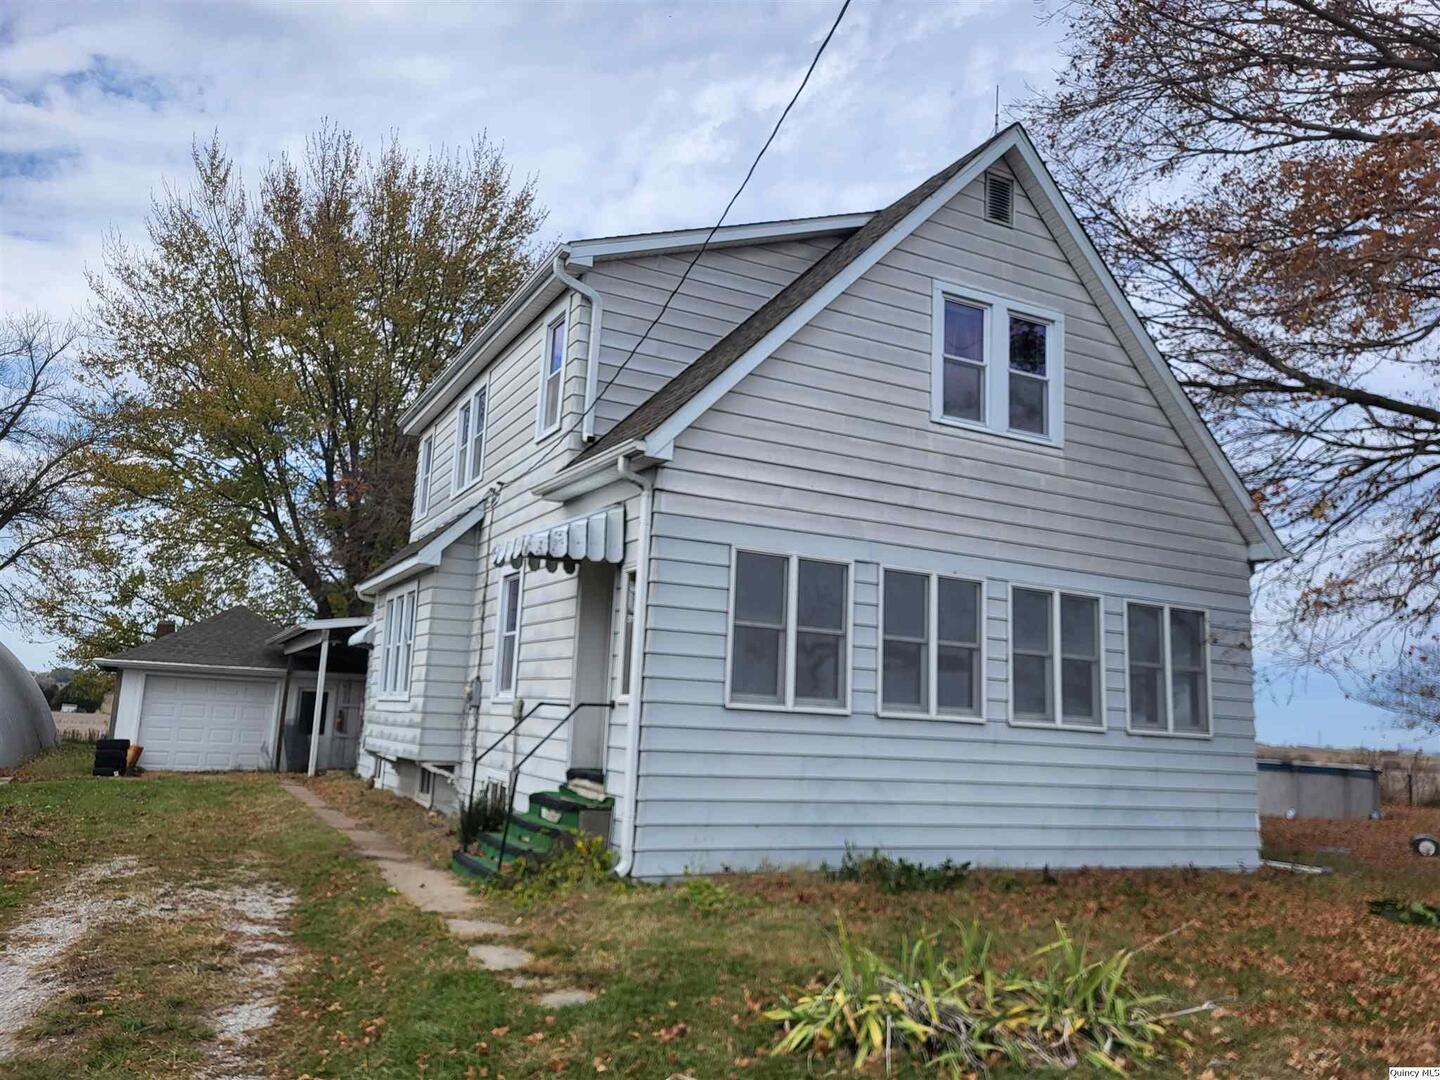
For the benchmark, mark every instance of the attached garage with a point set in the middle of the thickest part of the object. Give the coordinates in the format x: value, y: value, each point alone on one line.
x: 238, y: 692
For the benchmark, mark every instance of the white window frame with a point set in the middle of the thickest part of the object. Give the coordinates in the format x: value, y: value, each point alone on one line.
x: 932, y: 649
x: 467, y: 469
x: 424, y: 475
x: 397, y: 650
x: 792, y: 589
x: 544, y: 427
x: 995, y: 406
x: 1167, y: 688
x: 508, y: 694
x: 1101, y: 722
x: 629, y: 579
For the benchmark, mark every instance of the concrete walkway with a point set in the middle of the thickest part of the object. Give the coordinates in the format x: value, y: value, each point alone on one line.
x: 440, y: 892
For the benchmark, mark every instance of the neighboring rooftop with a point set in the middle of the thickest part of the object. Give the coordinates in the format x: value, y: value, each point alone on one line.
x: 238, y: 637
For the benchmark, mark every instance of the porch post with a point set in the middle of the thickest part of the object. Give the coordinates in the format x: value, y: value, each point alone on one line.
x: 319, y: 713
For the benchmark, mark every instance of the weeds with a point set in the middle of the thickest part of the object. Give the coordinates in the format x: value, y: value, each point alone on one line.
x: 1415, y: 913
x: 962, y: 1014
x: 710, y: 897
x: 587, y: 862
x: 894, y: 875
x: 485, y: 813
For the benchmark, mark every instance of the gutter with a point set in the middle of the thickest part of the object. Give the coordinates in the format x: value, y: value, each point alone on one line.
x: 592, y: 360
x: 646, y: 484
x: 574, y: 480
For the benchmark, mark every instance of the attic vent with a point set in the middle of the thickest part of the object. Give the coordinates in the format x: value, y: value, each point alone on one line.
x: 999, y: 199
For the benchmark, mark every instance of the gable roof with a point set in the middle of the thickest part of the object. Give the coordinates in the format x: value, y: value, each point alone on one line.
x: 655, y: 423
x: 237, y: 637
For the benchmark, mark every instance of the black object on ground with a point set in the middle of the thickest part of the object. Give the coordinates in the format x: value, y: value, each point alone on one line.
x: 110, y: 757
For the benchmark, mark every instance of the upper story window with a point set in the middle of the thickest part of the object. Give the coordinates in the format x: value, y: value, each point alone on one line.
x: 507, y: 650
x: 997, y: 365
x: 552, y: 378
x: 930, y: 661
x: 1056, y: 674
x: 627, y: 636
x: 423, y: 469
x: 397, y: 648
x: 1168, y: 674
x: 470, y: 439
x: 789, y: 633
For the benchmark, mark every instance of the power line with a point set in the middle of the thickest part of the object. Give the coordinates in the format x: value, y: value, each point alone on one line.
x: 815, y: 60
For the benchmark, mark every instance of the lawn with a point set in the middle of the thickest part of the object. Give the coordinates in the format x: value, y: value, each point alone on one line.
x: 1308, y: 982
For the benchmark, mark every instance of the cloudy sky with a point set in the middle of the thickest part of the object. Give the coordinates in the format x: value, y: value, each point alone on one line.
x: 632, y: 116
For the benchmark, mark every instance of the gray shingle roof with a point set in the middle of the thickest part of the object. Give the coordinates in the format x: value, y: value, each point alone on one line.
x: 234, y: 638
x: 671, y: 397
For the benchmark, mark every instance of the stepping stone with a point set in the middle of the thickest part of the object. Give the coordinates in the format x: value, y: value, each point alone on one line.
x: 479, y: 928
x: 499, y: 957
x: 560, y: 999
x: 519, y: 981
x: 428, y: 889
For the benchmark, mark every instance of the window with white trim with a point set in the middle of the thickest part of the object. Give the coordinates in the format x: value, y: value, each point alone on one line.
x: 1056, y: 669
x: 997, y: 365
x: 507, y: 647
x: 627, y: 634
x: 398, y: 644
x: 789, y: 632
x: 470, y: 439
x: 552, y: 378
x: 1168, y: 675
x: 423, y: 469
x: 930, y: 662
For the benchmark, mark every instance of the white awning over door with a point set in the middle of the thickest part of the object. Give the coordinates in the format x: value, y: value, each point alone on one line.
x: 597, y: 537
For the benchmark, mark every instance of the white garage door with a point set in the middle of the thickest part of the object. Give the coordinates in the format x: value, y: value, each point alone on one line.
x: 199, y: 723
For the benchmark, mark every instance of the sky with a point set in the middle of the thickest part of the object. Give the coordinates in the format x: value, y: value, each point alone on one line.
x: 631, y: 116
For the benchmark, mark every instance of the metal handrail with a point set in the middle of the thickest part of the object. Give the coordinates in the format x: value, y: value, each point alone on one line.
x: 475, y: 761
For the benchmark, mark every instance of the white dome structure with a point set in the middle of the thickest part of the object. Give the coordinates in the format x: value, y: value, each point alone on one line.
x: 26, y: 724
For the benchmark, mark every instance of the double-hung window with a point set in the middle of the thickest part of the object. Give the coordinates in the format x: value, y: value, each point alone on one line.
x: 1056, y: 673
x: 398, y: 644
x: 507, y: 648
x: 424, y: 468
x: 627, y: 635
x: 789, y: 633
x: 931, y: 660
x: 552, y: 378
x: 1168, y: 676
x: 997, y: 365
x: 470, y: 439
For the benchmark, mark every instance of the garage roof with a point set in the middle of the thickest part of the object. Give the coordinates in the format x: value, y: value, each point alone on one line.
x: 237, y: 637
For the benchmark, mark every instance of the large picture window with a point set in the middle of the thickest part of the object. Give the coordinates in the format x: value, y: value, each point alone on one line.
x: 1168, y: 677
x: 931, y: 657
x: 398, y: 644
x: 1056, y: 673
x: 997, y: 365
x: 789, y: 633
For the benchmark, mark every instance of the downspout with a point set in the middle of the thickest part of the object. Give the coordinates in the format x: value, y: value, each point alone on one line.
x: 646, y: 484
x: 592, y: 362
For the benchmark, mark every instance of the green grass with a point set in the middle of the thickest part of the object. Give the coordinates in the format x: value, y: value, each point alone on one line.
x: 1307, y: 977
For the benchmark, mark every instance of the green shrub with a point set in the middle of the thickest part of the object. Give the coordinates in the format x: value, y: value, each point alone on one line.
x: 585, y: 863
x: 894, y: 875
x: 1415, y: 913
x: 709, y: 897
x: 961, y: 1014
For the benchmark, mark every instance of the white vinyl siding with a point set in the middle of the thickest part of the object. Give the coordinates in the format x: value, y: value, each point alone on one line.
x: 552, y: 379
x: 1167, y: 670
x: 424, y: 468
x: 398, y: 643
x: 916, y: 677
x: 507, y: 653
x: 1055, y: 659
x: 996, y: 364
x: 789, y: 640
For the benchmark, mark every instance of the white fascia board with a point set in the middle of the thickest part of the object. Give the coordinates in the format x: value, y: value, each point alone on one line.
x: 427, y: 558
x: 726, y: 381
x: 1191, y: 428
x: 594, y: 474
x: 523, y: 306
x: 588, y: 252
x: 316, y: 624
x: 179, y: 668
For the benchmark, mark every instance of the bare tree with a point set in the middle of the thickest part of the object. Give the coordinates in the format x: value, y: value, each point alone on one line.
x: 1265, y: 177
x: 1409, y: 691
x: 44, y: 442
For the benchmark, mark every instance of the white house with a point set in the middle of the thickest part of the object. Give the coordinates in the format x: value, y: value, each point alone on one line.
x: 895, y: 531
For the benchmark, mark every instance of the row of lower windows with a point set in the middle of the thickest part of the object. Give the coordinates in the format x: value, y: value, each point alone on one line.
x: 790, y: 648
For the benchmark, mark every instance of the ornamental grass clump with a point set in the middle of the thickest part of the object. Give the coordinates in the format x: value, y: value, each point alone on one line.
x: 961, y: 1013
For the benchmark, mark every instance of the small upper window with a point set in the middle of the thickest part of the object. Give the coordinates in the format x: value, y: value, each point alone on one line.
x: 997, y: 365
x: 423, y: 469
x: 999, y: 199
x: 552, y: 378
x: 470, y: 439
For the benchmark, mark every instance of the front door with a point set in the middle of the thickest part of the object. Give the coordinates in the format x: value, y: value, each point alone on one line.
x: 593, y: 647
